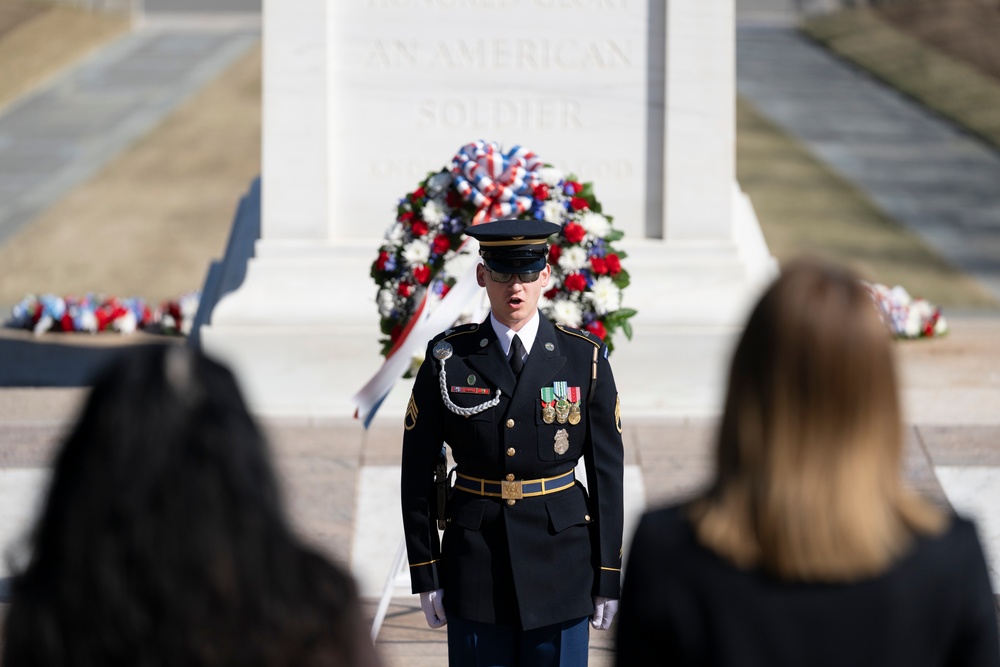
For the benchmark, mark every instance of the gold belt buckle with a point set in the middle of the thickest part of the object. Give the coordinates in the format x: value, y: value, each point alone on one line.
x: 511, y: 490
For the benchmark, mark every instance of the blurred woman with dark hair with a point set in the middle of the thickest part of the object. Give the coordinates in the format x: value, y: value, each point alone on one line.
x: 807, y: 549
x: 163, y: 541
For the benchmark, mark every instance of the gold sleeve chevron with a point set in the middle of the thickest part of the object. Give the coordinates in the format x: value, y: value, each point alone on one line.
x: 411, y: 414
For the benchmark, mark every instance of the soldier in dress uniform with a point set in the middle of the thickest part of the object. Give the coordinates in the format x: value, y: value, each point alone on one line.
x: 528, y: 555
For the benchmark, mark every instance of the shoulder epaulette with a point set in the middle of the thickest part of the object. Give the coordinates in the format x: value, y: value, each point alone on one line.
x: 580, y: 333
x: 455, y: 331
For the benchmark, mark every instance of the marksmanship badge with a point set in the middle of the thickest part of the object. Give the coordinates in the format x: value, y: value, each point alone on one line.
x: 562, y: 441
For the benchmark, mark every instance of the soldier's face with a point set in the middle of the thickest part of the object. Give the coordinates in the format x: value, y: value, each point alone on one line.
x: 513, y: 303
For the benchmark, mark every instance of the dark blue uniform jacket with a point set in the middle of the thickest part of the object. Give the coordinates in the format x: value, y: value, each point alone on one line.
x: 538, y: 560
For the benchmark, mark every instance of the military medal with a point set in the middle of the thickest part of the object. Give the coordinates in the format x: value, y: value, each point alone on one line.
x: 562, y: 405
x: 573, y: 394
x: 548, y: 405
x: 561, y: 442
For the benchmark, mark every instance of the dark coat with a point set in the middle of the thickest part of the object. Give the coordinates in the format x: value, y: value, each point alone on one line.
x: 684, y: 605
x: 539, y: 560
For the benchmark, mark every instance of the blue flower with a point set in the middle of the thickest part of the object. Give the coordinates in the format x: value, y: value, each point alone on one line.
x: 598, y: 248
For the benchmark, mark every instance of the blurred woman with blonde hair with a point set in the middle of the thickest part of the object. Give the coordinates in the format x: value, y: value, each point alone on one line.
x: 807, y: 549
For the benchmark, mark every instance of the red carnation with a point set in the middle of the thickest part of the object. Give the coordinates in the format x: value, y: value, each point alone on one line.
x: 597, y: 329
x: 422, y: 274
x: 405, y: 217
x: 383, y: 257
x: 66, y: 322
x: 440, y: 244
x: 575, y: 282
x: 419, y: 228
x: 576, y: 185
x: 541, y: 191
x: 444, y: 290
x: 418, y: 194
x: 578, y: 203
x: 614, y: 264
x: 599, y: 265
x: 554, y: 252
x: 573, y: 232
x: 101, y: 315
x: 551, y: 294
x: 405, y: 289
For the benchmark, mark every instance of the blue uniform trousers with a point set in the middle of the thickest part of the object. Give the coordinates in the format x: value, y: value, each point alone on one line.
x: 472, y: 644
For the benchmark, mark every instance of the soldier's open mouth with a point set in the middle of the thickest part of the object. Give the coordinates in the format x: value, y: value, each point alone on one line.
x: 514, y: 301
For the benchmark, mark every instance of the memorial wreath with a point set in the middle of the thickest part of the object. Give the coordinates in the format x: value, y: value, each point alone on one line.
x: 425, y: 251
x: 906, y: 316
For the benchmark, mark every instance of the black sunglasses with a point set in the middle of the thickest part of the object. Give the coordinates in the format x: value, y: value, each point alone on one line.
x: 500, y: 277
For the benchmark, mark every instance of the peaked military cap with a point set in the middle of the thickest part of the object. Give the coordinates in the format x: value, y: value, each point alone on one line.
x: 514, y: 246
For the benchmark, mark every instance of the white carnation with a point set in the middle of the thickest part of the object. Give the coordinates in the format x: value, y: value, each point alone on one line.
x: 567, y: 313
x: 88, y: 321
x: 900, y: 296
x: 386, y: 302
x: 125, y: 324
x: 573, y: 259
x: 416, y: 253
x: 913, y: 325
x: 395, y: 234
x: 434, y: 212
x: 438, y: 182
x: 595, y: 224
x: 553, y: 211
x: 550, y: 176
x: 605, y: 295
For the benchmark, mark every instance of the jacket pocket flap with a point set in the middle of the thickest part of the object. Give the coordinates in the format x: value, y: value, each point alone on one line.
x: 567, y: 509
x: 469, y: 514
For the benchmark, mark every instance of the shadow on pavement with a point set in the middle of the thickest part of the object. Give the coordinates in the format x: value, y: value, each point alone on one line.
x: 63, y: 359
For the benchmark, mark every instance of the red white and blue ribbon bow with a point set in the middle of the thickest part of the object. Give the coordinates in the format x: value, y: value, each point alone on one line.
x: 498, y: 184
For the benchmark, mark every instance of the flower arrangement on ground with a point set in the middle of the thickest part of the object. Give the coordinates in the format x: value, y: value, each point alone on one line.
x: 425, y: 250
x: 906, y: 316
x: 92, y: 314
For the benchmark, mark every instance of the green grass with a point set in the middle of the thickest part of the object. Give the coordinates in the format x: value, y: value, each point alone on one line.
x: 943, y: 83
x: 806, y: 209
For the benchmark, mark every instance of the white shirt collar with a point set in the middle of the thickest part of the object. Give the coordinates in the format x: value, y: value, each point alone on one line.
x: 527, y: 333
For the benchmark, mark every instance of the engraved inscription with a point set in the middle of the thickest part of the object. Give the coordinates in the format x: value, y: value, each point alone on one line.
x: 473, y: 114
x: 501, y: 54
x: 452, y: 5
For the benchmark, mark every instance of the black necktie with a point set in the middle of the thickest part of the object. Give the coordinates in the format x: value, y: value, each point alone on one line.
x: 516, y: 356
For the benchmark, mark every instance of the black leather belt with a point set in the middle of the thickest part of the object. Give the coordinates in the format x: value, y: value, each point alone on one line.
x: 514, y: 489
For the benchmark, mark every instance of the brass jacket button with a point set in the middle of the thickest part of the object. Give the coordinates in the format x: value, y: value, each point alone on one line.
x: 511, y: 502
x: 510, y: 477
x: 586, y: 517
x: 510, y: 423
x: 511, y: 451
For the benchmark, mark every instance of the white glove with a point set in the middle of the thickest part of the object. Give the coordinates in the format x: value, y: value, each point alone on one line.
x: 432, y: 602
x: 604, y: 613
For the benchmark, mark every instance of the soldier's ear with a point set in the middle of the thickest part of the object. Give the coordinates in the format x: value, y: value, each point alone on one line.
x: 481, y: 275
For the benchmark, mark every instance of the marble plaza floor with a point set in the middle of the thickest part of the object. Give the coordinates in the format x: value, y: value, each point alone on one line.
x: 340, y: 480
